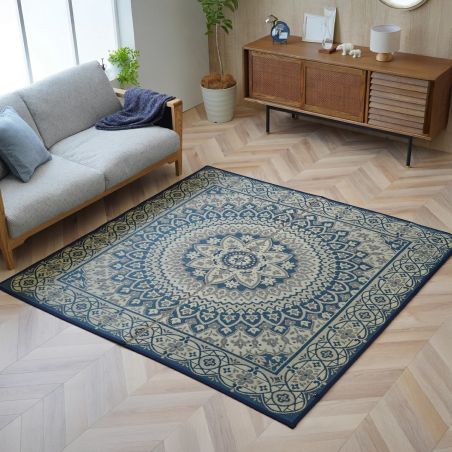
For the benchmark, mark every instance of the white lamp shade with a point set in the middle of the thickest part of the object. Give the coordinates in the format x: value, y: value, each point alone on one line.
x: 385, y: 38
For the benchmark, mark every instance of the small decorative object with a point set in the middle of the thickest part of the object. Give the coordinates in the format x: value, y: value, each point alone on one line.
x: 332, y: 50
x: 328, y: 33
x: 280, y: 30
x: 355, y: 53
x: 313, y: 28
x: 346, y: 48
x: 125, y: 60
x: 218, y: 89
x: 271, y: 19
x: 404, y: 4
x: 384, y: 41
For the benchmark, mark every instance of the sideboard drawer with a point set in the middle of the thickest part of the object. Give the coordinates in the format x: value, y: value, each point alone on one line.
x: 398, y: 102
x: 275, y: 79
x: 335, y: 91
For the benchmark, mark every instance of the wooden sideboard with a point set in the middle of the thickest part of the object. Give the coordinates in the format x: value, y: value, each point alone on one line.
x: 408, y: 96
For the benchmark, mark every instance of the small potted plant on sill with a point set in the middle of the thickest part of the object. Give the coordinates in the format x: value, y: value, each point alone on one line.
x: 125, y: 66
x: 218, y: 89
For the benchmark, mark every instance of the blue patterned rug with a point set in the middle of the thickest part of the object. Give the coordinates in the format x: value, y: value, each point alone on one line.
x: 264, y: 293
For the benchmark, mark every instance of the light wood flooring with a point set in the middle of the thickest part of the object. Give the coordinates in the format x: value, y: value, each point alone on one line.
x: 62, y: 388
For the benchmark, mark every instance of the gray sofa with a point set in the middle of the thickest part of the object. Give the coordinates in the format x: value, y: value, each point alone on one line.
x: 87, y: 163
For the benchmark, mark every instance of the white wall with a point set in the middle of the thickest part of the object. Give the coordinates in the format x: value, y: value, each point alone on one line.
x: 174, y: 50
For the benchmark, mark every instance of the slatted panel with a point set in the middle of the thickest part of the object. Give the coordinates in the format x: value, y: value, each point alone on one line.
x: 402, y: 92
x: 276, y: 79
x: 398, y: 103
x: 395, y: 78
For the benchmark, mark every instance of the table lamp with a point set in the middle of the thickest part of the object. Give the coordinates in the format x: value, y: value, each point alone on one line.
x: 384, y: 41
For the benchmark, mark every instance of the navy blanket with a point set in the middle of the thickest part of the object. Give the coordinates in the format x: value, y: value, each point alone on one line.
x: 142, y: 108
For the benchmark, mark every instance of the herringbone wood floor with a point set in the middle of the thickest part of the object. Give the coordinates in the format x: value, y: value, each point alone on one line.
x: 62, y: 388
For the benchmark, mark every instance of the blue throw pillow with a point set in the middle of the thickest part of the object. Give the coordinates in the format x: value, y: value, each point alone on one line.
x: 20, y: 147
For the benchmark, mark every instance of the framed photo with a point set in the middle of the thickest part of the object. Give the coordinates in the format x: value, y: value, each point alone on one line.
x: 330, y: 21
x: 313, y: 28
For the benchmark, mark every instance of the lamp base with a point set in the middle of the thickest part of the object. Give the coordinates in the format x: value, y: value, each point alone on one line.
x: 384, y: 57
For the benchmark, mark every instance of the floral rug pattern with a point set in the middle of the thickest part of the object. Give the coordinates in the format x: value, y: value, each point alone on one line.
x: 264, y: 293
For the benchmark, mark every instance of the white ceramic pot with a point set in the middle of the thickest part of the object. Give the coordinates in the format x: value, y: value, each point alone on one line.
x: 219, y: 103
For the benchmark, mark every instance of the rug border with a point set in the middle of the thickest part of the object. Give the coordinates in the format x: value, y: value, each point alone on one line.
x: 324, y: 197
x: 137, y: 349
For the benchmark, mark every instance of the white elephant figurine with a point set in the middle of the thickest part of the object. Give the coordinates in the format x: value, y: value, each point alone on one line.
x: 346, y: 48
x: 355, y: 53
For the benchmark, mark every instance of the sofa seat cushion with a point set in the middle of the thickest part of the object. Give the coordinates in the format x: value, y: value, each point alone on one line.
x: 55, y: 187
x: 118, y: 154
x: 70, y: 101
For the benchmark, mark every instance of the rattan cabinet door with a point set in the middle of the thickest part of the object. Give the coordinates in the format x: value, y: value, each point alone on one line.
x: 335, y: 91
x: 275, y: 79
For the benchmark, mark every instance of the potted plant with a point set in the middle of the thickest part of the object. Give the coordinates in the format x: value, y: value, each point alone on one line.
x: 125, y: 66
x: 218, y: 89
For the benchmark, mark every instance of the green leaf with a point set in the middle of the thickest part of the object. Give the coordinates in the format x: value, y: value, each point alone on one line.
x: 214, y: 11
x: 126, y: 60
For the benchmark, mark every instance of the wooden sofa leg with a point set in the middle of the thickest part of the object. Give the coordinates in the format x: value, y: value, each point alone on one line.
x: 179, y: 165
x: 5, y: 245
x: 7, y: 251
x: 8, y: 257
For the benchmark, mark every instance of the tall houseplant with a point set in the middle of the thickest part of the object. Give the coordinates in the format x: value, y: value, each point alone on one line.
x: 218, y: 89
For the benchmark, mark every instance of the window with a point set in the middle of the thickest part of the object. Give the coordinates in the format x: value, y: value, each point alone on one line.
x: 48, y: 28
x: 38, y: 39
x: 95, y: 28
x: 14, y: 73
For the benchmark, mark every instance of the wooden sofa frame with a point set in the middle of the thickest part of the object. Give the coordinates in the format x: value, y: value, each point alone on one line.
x: 8, y: 244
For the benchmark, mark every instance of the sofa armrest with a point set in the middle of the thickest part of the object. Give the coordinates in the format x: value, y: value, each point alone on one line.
x: 119, y: 92
x: 175, y: 108
x: 172, y: 119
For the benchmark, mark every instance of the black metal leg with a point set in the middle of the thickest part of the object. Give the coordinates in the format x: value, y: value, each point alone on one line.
x: 298, y: 114
x: 267, y: 119
x: 409, y: 150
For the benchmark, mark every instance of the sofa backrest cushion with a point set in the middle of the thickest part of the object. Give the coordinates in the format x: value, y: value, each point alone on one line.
x: 15, y: 101
x: 70, y: 101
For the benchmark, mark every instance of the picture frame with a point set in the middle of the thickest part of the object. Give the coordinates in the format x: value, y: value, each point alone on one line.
x: 317, y: 28
x: 330, y: 22
x: 313, y: 27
